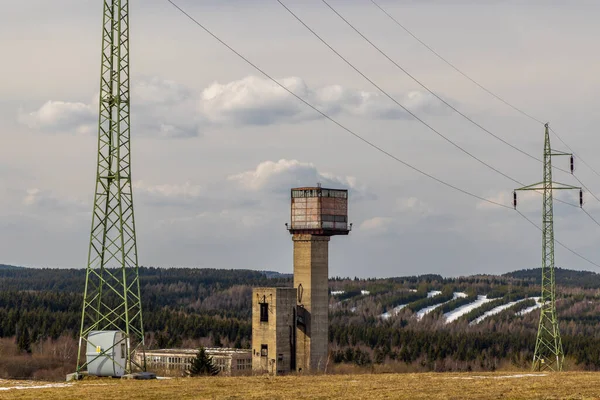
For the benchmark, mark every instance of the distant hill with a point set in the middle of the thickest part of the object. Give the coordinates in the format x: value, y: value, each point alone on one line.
x: 5, y: 267
x: 564, y: 277
x: 274, y: 274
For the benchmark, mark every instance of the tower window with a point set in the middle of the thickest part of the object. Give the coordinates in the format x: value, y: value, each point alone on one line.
x: 264, y: 350
x: 264, y: 312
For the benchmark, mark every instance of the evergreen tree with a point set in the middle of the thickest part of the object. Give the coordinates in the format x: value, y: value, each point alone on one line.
x: 203, y: 364
x: 23, y: 340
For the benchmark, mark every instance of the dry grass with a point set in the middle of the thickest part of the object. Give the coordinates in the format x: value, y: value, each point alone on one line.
x: 573, y: 385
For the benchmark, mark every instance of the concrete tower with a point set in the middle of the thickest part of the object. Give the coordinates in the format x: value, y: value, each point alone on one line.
x: 316, y: 214
x: 290, y: 326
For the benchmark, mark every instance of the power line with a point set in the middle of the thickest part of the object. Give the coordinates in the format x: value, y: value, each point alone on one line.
x: 418, y: 82
x: 381, y: 150
x: 394, y: 100
x: 573, y: 151
x: 339, y: 124
x: 426, y: 87
x: 430, y: 91
x: 456, y: 68
x: 519, y: 110
x: 559, y: 242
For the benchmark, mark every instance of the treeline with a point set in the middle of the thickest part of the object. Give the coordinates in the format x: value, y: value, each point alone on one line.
x: 185, y: 306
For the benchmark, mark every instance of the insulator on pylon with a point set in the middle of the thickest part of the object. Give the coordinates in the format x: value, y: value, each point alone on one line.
x: 515, y: 199
x: 572, y: 164
x: 580, y: 197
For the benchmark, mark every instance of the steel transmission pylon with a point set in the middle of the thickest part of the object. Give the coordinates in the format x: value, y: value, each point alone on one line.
x: 548, y: 353
x: 112, y: 300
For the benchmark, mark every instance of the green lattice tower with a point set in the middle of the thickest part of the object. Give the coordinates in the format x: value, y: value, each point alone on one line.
x: 548, y: 353
x: 112, y: 291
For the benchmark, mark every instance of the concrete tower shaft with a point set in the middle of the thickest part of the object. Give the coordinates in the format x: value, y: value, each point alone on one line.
x: 311, y: 272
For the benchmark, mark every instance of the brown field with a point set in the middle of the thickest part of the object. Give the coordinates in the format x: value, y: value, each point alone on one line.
x: 507, y: 385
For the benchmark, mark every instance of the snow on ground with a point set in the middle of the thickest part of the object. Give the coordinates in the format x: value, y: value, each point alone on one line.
x: 462, y: 310
x: 433, y: 293
x: 393, y: 312
x: 29, y: 385
x: 337, y: 292
x: 429, y: 309
x: 494, y: 311
x: 530, y: 309
x: 498, y: 377
x: 365, y: 292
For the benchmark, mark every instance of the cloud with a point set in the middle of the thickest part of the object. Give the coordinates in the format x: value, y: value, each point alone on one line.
x: 165, y: 109
x: 161, y: 108
x: 284, y: 174
x: 59, y: 116
x: 376, y: 225
x: 414, y: 206
x: 156, y: 91
x: 259, y: 101
x: 48, y: 201
x: 167, y: 194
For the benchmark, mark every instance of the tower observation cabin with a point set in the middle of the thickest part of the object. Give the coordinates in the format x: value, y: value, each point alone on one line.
x: 319, y: 211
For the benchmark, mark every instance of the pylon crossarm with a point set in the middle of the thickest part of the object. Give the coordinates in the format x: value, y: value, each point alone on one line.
x: 562, y: 186
x: 559, y: 153
x: 535, y: 186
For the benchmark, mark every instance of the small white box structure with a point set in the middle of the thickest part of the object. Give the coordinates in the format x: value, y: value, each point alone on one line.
x: 106, y: 353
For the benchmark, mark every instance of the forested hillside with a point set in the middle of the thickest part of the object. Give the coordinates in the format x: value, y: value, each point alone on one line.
x: 407, y: 323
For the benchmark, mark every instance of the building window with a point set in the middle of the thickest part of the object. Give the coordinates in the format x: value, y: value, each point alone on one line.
x: 264, y: 350
x: 264, y: 312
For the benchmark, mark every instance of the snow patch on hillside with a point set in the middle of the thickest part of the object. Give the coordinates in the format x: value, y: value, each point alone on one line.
x: 530, y: 309
x: 433, y: 293
x: 429, y: 309
x: 462, y: 310
x: 393, y: 312
x: 494, y: 311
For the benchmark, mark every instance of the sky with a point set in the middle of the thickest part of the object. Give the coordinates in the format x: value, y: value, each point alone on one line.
x: 216, y: 146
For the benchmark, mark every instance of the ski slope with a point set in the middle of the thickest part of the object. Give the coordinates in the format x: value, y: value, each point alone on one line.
x: 393, y: 312
x: 462, y: 310
x: 421, y: 313
x: 530, y: 309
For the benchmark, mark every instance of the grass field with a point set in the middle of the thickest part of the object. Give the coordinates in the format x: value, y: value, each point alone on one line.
x: 572, y: 385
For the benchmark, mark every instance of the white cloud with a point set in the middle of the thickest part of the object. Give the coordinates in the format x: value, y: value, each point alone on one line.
x: 259, y: 101
x: 161, y: 108
x: 167, y: 194
x: 48, y: 201
x: 414, y: 206
x: 166, y: 109
x: 282, y: 175
x: 156, y: 91
x: 376, y: 225
x: 61, y: 116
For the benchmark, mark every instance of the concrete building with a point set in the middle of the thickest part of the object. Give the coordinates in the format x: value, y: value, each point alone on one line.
x: 316, y: 214
x: 231, y: 362
x: 273, y: 330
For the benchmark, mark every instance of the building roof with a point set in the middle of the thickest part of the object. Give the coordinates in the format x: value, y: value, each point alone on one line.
x: 209, y: 350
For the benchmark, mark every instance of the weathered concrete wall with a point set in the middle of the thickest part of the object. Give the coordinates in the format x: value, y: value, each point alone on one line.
x: 274, y: 333
x: 311, y: 270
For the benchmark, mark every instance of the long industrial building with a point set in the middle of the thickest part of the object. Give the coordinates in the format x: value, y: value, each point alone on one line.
x: 231, y: 362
